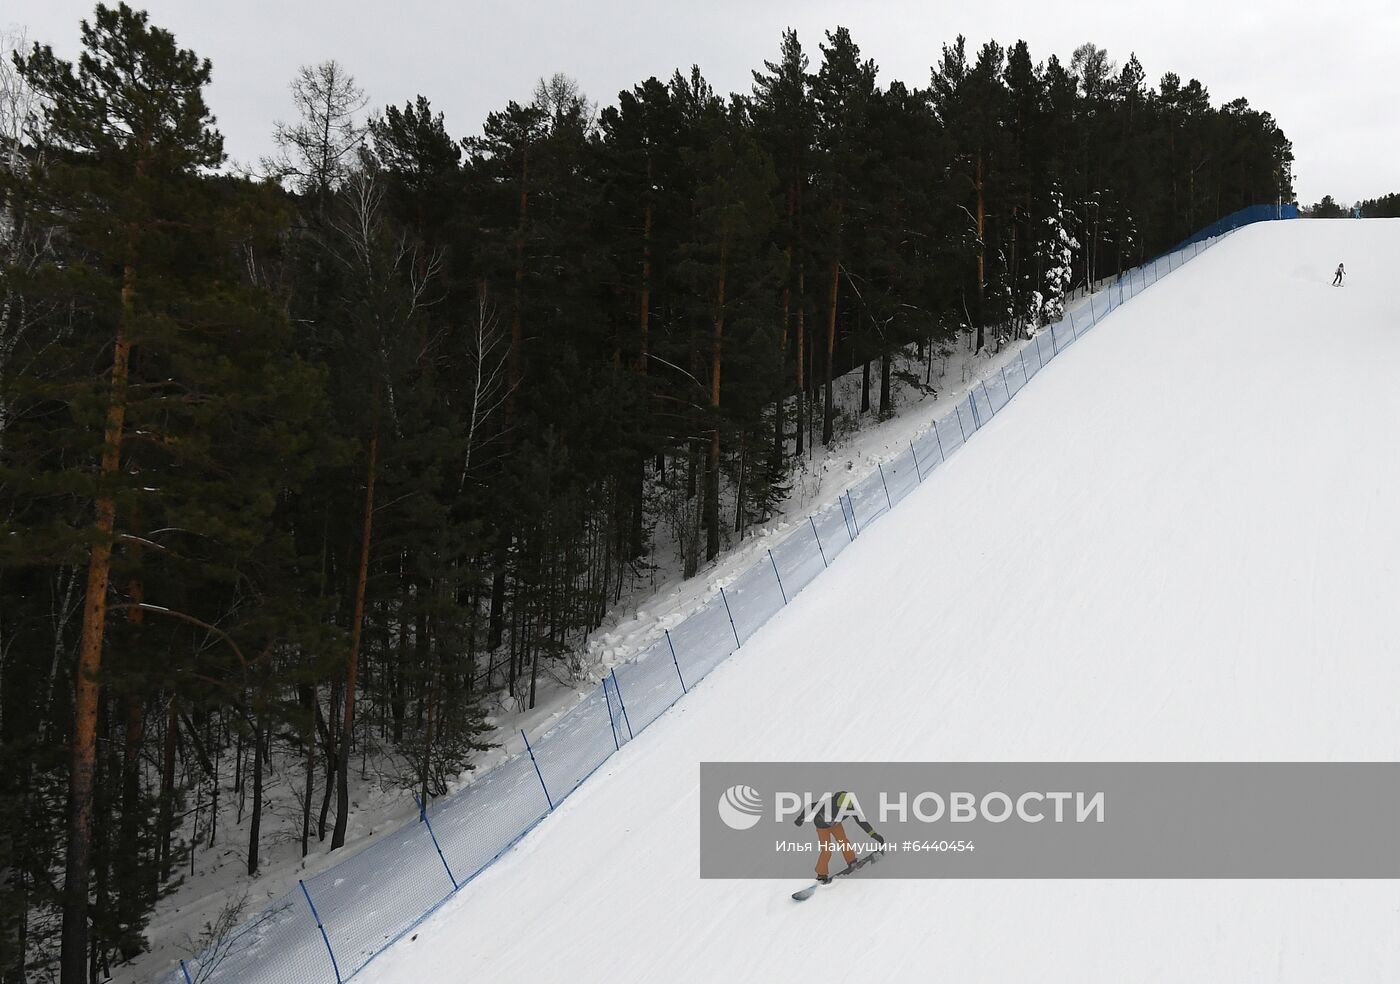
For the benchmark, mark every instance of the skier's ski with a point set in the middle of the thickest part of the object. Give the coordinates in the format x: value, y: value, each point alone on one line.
x: 810, y: 890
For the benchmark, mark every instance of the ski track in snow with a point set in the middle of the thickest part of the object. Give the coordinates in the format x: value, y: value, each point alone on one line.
x: 1179, y: 543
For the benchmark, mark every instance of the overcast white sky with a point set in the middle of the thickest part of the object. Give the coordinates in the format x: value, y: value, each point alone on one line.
x: 1326, y: 71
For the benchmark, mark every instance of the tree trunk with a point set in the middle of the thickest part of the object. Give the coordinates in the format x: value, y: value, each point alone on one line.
x: 330, y: 735
x: 255, y: 822
x: 214, y: 788
x: 779, y: 442
x: 430, y: 730
x: 126, y: 858
x: 644, y: 301
x: 86, y: 687
x: 886, y: 398
x: 165, y: 819
x: 130, y: 891
x: 352, y: 670
x: 397, y: 700
x: 98, y: 942
x: 636, y: 526
x: 802, y: 408
x: 496, y: 620
x: 829, y: 414
x: 716, y: 361
x: 309, y: 699
x: 517, y: 311
x: 780, y: 401
x: 739, y: 489
x: 690, y: 537
x: 981, y: 185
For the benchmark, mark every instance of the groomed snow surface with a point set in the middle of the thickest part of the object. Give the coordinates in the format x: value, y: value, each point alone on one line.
x: 1179, y: 543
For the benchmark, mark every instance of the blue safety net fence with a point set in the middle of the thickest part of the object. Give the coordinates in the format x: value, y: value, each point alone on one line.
x: 1244, y: 217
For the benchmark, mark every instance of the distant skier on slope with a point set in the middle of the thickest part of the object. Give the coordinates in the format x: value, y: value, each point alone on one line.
x: 1341, y: 272
x: 826, y: 814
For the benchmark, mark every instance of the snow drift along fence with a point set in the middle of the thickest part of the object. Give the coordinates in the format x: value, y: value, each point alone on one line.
x: 330, y: 926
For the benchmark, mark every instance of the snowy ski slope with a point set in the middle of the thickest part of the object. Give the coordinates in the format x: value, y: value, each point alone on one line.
x: 1181, y: 542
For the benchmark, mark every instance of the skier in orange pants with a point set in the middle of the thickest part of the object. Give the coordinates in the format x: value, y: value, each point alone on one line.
x: 826, y: 815
x: 828, y: 840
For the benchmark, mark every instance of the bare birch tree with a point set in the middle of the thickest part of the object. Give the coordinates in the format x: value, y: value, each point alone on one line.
x: 396, y: 286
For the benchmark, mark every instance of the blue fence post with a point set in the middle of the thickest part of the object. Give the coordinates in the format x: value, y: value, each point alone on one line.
x: 1054, y: 342
x: 1038, y: 357
x: 915, y: 455
x: 548, y: 799
x: 620, y: 703
x: 972, y: 408
x: 988, y: 397
x: 725, y: 598
x: 819, y: 539
x: 186, y: 971
x: 781, y: 589
x: 851, y: 502
x: 423, y: 815
x: 1006, y: 384
x: 886, y: 484
x: 939, y: 438
x: 676, y: 661
x: 845, y: 516
x: 612, y: 721
x: 317, y: 916
x: 958, y: 410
